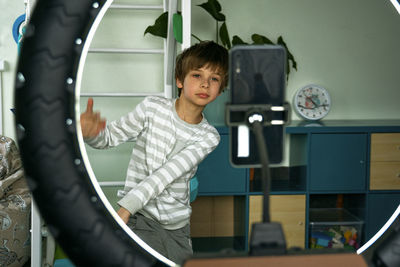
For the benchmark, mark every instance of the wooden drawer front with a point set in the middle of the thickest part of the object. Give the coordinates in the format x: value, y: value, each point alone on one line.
x: 385, y: 176
x: 385, y: 147
x: 289, y: 210
x: 212, y: 216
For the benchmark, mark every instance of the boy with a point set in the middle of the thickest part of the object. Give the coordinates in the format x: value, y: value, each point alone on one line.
x: 171, y: 138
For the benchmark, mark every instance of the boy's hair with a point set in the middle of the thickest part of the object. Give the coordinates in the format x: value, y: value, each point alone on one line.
x: 203, y: 54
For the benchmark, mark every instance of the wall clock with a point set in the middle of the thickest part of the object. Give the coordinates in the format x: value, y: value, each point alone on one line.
x: 312, y: 102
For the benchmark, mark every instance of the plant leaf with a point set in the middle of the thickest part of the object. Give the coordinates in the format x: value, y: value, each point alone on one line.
x: 177, y: 27
x: 224, y: 36
x: 213, y: 7
x: 260, y: 39
x: 290, y: 56
x: 160, y: 26
x: 236, y: 40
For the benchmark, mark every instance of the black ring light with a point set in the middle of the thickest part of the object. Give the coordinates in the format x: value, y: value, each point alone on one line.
x: 46, y: 131
x: 45, y: 92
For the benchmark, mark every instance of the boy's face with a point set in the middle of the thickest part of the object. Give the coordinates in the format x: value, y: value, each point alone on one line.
x: 200, y: 86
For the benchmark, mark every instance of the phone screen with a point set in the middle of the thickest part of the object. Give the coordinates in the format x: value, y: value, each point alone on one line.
x: 257, y: 76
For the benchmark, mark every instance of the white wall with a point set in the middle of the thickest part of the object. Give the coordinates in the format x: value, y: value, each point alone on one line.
x: 10, y: 11
x: 351, y: 47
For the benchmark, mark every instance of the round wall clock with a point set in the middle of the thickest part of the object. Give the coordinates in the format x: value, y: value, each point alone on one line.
x: 312, y: 102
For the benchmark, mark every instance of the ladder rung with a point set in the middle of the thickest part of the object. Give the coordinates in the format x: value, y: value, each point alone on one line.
x: 112, y: 183
x: 137, y: 7
x: 126, y: 51
x: 121, y: 94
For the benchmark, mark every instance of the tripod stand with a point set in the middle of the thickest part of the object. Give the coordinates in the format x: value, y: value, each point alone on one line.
x: 267, y: 237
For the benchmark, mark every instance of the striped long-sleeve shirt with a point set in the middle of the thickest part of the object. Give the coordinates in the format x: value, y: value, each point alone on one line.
x: 165, y: 156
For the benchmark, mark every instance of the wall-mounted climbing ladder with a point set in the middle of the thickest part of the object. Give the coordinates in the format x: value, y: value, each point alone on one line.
x: 168, y: 51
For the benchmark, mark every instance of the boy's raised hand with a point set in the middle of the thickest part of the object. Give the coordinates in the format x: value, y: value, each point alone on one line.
x: 91, y: 122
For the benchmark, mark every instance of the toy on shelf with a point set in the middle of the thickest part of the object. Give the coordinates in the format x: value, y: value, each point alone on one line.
x: 334, y: 228
x: 335, y: 237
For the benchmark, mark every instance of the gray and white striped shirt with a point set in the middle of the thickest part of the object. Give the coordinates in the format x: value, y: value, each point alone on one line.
x: 165, y: 156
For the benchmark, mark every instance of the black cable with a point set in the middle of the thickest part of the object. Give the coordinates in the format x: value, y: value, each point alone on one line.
x: 257, y: 129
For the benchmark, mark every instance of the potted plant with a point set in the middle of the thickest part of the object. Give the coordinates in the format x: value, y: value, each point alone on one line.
x: 213, y: 7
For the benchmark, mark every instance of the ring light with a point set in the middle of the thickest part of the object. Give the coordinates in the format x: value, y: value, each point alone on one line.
x: 47, y: 84
x: 396, y: 5
x: 378, y: 234
x: 59, y: 175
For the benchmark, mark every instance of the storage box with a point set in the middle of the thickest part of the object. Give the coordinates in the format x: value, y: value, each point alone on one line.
x: 334, y: 228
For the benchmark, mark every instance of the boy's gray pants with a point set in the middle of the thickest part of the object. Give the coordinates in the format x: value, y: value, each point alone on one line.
x: 175, y: 245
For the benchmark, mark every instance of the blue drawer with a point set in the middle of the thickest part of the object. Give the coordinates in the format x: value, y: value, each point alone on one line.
x: 216, y: 174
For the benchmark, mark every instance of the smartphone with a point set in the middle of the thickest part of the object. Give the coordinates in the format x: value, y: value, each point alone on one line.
x: 257, y: 75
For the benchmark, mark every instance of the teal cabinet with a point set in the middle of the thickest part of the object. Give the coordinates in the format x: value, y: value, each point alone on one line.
x: 216, y: 174
x: 338, y: 162
x: 329, y: 164
x: 337, y: 155
x: 381, y: 207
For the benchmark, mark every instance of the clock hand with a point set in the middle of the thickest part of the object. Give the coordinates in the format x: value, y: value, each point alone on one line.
x: 301, y: 106
x: 315, y: 104
x: 322, y: 105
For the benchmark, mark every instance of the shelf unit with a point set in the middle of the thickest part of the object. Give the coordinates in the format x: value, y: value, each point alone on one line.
x: 240, y: 190
x: 330, y: 165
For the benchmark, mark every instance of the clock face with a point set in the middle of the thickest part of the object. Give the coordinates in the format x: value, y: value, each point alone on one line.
x: 312, y: 102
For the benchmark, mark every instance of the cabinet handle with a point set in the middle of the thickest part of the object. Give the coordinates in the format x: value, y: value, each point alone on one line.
x: 300, y: 223
x: 361, y: 162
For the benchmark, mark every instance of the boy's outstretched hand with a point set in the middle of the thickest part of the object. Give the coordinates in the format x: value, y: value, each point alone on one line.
x: 91, y: 122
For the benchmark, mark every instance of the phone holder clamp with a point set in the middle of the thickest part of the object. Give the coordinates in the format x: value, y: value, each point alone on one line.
x: 265, y: 114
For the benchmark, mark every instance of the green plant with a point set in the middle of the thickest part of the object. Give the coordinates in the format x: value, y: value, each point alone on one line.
x: 213, y: 7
